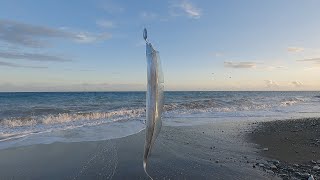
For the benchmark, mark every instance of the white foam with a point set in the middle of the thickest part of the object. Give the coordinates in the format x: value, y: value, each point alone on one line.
x: 67, y: 117
x: 99, y: 132
x: 16, y: 131
x: 74, y: 127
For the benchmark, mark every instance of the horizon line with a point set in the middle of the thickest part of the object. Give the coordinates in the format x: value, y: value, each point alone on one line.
x: 164, y: 91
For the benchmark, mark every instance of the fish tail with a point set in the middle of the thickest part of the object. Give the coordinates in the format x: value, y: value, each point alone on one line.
x: 145, y: 168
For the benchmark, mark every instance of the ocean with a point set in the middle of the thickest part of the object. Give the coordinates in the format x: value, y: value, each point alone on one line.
x: 47, y: 117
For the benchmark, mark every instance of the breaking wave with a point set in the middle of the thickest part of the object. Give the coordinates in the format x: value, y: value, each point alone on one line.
x: 65, y: 124
x: 211, y: 105
x: 67, y: 117
x: 291, y: 101
x: 198, y: 106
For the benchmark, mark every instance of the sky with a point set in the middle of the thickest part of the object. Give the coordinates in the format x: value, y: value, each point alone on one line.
x: 97, y: 45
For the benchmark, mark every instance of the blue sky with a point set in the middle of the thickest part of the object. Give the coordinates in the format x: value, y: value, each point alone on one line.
x: 204, y: 45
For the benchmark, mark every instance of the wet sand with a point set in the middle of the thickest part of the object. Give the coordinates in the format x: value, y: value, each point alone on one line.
x: 294, y: 143
x: 212, y: 151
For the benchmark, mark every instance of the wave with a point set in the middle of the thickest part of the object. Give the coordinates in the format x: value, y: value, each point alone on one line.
x: 212, y: 105
x: 15, y: 128
x: 86, y: 123
x: 291, y: 101
x: 196, y: 106
x: 67, y: 117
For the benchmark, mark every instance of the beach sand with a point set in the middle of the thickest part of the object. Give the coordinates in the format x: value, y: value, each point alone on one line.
x: 294, y: 143
x: 211, y: 151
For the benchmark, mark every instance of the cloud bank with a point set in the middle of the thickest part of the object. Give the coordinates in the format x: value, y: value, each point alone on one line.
x: 8, y: 64
x: 35, y: 36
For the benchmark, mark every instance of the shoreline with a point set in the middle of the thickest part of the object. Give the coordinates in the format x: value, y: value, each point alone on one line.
x: 212, y: 151
x: 217, y: 150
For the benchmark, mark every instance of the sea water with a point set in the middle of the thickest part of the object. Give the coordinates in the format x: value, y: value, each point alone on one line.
x: 47, y: 117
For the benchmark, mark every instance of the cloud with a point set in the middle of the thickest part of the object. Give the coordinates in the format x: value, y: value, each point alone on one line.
x: 243, y: 65
x: 270, y: 83
x: 277, y: 67
x: 297, y: 83
x: 295, y: 49
x: 311, y: 60
x: 32, y: 57
x: 35, y: 36
x: 105, y: 23
x: 274, y: 67
x: 280, y: 67
x: 185, y: 7
x: 85, y: 37
x: 13, y: 65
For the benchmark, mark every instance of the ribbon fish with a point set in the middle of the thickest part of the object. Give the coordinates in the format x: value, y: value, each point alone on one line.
x: 154, y: 99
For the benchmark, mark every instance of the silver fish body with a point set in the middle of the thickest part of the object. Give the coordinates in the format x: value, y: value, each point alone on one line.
x: 154, y: 101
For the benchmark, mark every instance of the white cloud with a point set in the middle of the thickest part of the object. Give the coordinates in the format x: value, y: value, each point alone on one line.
x: 35, y: 36
x: 297, y: 83
x: 105, y: 23
x: 295, y: 49
x: 275, y: 67
x: 317, y: 60
x: 270, y: 83
x: 240, y: 65
x: 84, y: 37
x: 185, y: 7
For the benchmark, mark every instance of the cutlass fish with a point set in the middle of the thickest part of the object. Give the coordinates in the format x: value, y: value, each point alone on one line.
x: 154, y: 99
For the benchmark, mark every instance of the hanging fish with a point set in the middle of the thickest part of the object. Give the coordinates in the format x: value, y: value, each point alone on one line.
x: 154, y: 99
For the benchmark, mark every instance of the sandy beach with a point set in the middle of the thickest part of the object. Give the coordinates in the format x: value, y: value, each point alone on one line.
x: 286, y: 149
x: 212, y: 151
